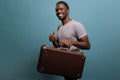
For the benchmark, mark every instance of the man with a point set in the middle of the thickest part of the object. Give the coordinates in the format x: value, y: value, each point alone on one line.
x: 71, y: 34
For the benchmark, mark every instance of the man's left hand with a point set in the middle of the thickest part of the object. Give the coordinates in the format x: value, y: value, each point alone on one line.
x: 67, y: 43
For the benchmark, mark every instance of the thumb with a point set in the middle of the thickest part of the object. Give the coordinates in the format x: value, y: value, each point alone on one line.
x: 53, y: 32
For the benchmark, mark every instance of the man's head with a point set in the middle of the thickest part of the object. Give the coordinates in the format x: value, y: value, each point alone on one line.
x: 62, y: 10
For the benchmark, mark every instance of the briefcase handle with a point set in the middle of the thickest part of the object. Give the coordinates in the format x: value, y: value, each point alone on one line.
x: 63, y: 48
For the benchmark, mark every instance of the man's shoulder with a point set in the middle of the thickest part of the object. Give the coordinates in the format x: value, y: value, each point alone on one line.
x: 75, y: 22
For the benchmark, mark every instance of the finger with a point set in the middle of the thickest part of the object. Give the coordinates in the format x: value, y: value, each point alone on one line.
x: 53, y: 32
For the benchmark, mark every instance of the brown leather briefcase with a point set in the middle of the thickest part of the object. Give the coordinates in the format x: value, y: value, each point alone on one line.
x: 61, y: 62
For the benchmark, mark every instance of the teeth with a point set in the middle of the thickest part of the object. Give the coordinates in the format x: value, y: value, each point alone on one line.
x: 60, y: 15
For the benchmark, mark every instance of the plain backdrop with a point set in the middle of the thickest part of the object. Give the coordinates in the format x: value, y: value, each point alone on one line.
x: 26, y: 24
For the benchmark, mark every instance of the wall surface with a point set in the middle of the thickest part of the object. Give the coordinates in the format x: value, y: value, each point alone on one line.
x: 26, y: 24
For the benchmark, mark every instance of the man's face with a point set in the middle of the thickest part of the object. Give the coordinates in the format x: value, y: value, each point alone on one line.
x: 61, y: 11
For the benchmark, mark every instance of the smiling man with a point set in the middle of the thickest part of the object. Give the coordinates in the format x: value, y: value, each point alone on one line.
x: 70, y: 34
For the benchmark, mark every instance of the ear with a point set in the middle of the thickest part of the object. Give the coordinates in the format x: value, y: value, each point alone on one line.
x: 68, y: 11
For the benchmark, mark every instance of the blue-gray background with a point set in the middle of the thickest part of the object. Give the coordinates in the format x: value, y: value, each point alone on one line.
x: 26, y: 24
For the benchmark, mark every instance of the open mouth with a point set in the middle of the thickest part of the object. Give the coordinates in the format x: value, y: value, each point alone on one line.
x: 60, y: 15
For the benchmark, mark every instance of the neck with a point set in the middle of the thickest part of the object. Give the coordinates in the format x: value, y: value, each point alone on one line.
x: 66, y: 20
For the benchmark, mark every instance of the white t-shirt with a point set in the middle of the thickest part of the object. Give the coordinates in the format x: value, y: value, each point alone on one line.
x: 73, y: 30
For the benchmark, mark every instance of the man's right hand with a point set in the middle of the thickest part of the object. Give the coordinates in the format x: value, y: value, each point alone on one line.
x: 52, y: 37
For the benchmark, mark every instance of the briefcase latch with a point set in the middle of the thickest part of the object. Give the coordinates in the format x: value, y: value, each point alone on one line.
x: 44, y: 47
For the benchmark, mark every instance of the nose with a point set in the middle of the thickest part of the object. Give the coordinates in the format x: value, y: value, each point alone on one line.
x: 58, y: 11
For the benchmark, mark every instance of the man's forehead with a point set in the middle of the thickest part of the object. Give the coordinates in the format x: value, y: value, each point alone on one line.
x: 61, y: 5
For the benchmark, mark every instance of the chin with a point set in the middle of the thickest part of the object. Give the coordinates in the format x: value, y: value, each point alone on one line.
x: 60, y: 18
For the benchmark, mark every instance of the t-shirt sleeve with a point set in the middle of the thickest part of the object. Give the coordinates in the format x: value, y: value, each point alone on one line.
x: 80, y: 30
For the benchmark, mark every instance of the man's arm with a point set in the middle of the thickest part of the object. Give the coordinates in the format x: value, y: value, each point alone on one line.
x: 82, y: 43
x: 55, y: 43
x: 53, y: 39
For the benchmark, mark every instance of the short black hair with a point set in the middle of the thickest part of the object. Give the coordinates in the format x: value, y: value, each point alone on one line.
x: 63, y: 2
